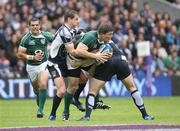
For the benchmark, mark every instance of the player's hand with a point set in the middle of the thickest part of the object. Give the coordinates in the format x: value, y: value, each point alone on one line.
x: 38, y: 57
x: 102, y: 57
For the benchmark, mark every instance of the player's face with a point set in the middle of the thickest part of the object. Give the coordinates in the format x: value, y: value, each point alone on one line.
x: 75, y: 21
x: 34, y: 27
x: 106, y: 37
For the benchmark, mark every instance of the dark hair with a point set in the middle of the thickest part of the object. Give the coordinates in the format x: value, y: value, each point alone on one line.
x: 34, y: 19
x: 105, y: 28
x: 70, y: 14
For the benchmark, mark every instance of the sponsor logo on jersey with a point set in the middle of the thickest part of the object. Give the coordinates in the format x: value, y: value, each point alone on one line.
x: 43, y: 41
x: 94, y: 46
x: 32, y: 42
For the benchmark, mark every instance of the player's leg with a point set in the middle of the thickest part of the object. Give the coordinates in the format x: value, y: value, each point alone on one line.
x: 56, y: 75
x: 71, y: 89
x: 43, y: 79
x: 75, y: 100
x: 130, y: 85
x: 35, y: 85
x: 36, y: 80
x: 59, y: 82
x: 95, y: 86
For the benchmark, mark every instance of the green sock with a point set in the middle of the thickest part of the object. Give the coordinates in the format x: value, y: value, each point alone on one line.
x: 67, y: 101
x: 97, y: 98
x: 37, y: 97
x: 42, y: 98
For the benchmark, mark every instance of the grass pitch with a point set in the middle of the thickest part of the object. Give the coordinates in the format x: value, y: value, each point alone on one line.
x: 22, y: 113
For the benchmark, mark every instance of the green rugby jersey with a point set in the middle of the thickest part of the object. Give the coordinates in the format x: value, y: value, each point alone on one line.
x: 37, y: 44
x: 90, y: 39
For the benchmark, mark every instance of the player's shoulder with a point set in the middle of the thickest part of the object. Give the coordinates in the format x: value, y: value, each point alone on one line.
x: 26, y: 37
x: 64, y: 29
x: 92, y: 33
x: 46, y: 33
x: 64, y: 32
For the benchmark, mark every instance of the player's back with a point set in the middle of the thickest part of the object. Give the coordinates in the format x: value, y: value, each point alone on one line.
x: 90, y: 39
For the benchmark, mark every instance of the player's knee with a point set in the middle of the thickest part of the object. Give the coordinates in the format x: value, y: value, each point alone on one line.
x: 43, y: 84
x: 72, y: 89
x: 60, y: 93
x: 131, y: 87
x: 93, y: 92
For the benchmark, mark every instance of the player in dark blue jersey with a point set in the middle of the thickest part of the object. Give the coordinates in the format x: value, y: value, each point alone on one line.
x: 63, y: 44
x: 57, y: 60
x: 116, y: 65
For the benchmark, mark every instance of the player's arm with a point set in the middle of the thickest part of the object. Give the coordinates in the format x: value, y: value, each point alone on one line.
x: 82, y: 51
x: 21, y: 54
x: 75, y: 63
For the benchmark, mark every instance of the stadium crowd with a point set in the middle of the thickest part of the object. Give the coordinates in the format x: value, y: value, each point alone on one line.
x: 131, y: 26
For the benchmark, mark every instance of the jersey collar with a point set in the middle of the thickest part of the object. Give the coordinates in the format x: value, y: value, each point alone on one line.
x: 100, y: 42
x: 67, y: 26
x: 37, y: 36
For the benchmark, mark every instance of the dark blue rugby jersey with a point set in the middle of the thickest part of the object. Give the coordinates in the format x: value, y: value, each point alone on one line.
x: 57, y: 50
x: 116, y: 50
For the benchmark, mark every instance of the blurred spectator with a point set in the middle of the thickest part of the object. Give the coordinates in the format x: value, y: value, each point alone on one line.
x: 176, y: 3
x: 172, y: 62
x: 130, y: 26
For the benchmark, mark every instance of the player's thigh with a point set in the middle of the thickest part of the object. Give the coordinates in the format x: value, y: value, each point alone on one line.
x: 35, y: 85
x: 43, y: 75
x: 32, y: 73
x: 60, y: 84
x: 43, y: 78
x: 83, y: 77
x: 73, y: 83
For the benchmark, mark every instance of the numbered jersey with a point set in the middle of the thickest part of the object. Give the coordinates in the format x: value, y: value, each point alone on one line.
x: 37, y: 44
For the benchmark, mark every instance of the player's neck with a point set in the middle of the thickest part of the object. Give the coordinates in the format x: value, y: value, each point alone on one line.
x: 36, y: 34
x: 69, y: 26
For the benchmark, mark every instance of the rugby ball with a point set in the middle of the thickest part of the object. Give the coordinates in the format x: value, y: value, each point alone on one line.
x: 105, y: 48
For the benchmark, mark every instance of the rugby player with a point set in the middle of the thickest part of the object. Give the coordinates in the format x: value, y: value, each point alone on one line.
x: 33, y: 49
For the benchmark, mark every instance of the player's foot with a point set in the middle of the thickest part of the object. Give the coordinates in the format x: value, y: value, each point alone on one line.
x: 148, y: 117
x: 65, y: 117
x: 40, y: 113
x: 78, y: 104
x: 52, y: 118
x: 101, y: 105
x: 84, y: 119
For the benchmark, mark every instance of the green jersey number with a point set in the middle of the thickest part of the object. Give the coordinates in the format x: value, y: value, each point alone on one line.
x: 39, y: 52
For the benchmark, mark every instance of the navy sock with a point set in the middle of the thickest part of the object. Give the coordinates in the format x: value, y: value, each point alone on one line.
x: 78, y: 92
x: 139, y: 102
x: 56, y: 103
x: 90, y: 100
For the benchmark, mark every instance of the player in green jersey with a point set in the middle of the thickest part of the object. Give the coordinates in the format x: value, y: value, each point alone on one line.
x: 33, y: 49
x: 85, y: 47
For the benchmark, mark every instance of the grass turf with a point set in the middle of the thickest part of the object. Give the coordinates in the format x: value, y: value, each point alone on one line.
x: 21, y: 113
